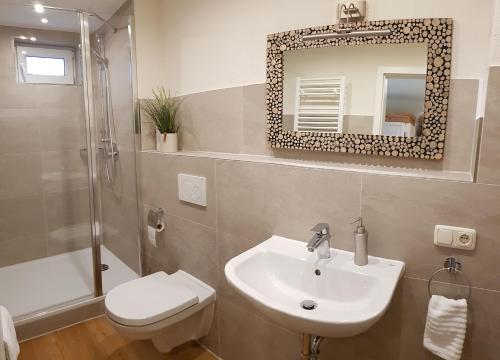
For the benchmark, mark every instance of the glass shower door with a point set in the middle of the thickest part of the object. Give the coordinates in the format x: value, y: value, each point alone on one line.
x: 112, y: 71
x: 45, y: 223
x: 69, y: 224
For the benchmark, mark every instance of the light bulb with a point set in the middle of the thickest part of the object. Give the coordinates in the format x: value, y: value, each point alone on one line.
x: 39, y: 8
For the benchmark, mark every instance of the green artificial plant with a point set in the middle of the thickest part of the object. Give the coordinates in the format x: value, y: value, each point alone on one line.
x: 162, y: 109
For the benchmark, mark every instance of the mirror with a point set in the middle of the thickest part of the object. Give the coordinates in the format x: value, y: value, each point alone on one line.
x: 372, y: 89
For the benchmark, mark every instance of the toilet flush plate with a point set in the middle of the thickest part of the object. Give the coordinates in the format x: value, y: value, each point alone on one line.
x: 192, y: 189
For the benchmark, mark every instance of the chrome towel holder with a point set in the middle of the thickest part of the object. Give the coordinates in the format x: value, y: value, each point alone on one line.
x: 453, y: 266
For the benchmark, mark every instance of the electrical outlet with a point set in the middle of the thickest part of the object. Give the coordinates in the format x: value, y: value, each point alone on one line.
x: 455, y: 237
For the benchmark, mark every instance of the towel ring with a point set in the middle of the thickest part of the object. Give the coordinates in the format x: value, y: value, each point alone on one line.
x: 454, y: 266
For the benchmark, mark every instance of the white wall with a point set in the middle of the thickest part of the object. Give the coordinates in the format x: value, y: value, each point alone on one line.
x: 495, y: 39
x: 359, y: 65
x: 150, y: 45
x: 218, y: 44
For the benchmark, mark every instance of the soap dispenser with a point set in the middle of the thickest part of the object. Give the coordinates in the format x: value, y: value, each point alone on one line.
x: 360, y: 243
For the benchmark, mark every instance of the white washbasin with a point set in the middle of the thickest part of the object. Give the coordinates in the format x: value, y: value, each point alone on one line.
x: 278, y: 274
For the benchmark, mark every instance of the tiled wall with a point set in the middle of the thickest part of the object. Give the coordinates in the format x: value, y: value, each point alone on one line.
x: 43, y: 183
x: 233, y: 120
x: 250, y: 201
x: 489, y: 164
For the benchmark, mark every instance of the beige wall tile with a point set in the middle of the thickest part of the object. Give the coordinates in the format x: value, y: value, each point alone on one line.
x: 23, y: 248
x: 64, y: 170
x: 21, y: 175
x: 254, y: 120
x: 489, y: 160
x: 66, y: 209
x: 247, y: 336
x: 255, y: 201
x: 22, y: 230
x: 212, y: 121
x: 121, y: 227
x: 59, y: 97
x: 126, y: 251
x: 400, y: 215
x: 62, y: 129
x: 460, y: 126
x: 159, y: 185
x: 21, y: 216
x: 19, y: 131
x: 17, y: 96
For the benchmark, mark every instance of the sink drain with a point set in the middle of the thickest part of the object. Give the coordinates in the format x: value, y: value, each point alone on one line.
x: 308, y: 305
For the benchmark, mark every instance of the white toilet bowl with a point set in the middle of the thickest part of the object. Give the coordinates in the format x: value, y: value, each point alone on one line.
x: 168, y: 309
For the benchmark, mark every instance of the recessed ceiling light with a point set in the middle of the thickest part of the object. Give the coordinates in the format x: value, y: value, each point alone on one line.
x: 23, y: 52
x: 22, y: 37
x: 38, y: 8
x: 33, y: 38
x: 44, y: 21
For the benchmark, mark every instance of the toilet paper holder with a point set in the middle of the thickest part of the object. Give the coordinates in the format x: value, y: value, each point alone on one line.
x: 155, y: 219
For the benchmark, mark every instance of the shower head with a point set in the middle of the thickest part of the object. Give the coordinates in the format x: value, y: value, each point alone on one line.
x: 100, y: 58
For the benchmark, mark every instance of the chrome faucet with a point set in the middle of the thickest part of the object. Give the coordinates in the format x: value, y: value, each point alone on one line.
x: 320, y: 240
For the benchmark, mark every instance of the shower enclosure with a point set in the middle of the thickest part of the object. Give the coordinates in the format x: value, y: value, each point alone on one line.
x: 69, y: 224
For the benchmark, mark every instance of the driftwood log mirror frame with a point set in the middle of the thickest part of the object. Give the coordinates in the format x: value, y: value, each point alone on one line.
x: 436, y: 33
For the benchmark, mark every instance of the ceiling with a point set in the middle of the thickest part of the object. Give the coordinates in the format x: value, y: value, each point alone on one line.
x: 12, y: 13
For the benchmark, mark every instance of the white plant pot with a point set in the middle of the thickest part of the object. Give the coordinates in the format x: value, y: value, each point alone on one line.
x: 166, y: 143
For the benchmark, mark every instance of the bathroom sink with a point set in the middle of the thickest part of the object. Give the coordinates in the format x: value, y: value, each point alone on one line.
x: 283, y: 279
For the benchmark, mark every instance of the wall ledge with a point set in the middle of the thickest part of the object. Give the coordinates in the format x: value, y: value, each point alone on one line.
x: 461, y: 176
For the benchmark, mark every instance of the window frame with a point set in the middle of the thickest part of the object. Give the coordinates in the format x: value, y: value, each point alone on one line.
x: 67, y: 54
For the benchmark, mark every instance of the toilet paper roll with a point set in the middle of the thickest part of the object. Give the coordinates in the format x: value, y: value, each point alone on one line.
x: 152, y: 231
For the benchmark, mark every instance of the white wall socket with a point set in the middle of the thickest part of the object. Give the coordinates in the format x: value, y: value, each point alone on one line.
x: 455, y: 237
x: 192, y: 189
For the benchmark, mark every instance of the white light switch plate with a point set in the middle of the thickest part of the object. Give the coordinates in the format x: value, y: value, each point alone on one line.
x: 192, y: 189
x: 455, y: 237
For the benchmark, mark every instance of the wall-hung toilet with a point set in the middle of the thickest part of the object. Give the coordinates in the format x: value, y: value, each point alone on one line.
x: 168, y: 309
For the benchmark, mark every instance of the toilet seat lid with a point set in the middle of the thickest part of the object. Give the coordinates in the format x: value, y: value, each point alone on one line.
x: 149, y: 299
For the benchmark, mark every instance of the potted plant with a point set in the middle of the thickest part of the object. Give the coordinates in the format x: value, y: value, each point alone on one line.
x: 162, y: 109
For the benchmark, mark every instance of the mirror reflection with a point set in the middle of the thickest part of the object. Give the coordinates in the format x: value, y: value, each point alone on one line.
x: 374, y: 89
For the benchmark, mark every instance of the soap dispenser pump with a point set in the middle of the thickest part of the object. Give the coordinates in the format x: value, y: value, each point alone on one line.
x: 360, y: 243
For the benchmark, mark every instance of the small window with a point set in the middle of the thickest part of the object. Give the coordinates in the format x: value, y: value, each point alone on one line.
x: 45, y: 65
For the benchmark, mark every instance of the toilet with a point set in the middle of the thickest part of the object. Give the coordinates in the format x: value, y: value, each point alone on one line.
x: 168, y: 309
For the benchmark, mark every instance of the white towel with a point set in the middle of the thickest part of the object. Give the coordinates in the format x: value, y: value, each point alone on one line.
x: 445, y: 327
x: 10, y: 343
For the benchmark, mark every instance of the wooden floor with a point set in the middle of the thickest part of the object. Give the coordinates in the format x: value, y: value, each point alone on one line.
x: 97, y: 340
